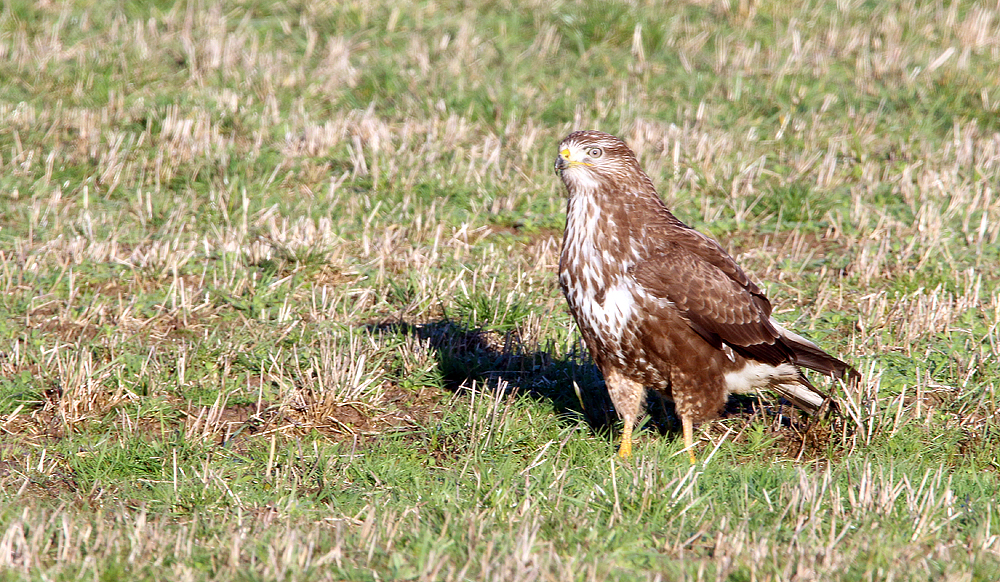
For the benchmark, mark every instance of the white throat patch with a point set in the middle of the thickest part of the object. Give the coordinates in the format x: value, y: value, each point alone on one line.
x: 582, y: 179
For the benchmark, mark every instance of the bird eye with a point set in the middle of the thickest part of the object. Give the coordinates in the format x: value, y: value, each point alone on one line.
x: 595, y: 152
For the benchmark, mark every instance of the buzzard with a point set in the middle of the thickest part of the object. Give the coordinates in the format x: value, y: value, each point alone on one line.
x: 662, y: 306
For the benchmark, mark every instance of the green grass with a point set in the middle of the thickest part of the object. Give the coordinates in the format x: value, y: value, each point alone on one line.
x: 278, y: 293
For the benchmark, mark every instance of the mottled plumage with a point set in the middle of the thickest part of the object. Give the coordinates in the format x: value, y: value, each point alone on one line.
x: 662, y: 306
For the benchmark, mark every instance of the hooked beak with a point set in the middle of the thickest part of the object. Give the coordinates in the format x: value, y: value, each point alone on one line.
x: 562, y: 161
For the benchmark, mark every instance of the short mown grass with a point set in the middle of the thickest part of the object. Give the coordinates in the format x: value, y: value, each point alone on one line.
x: 278, y: 293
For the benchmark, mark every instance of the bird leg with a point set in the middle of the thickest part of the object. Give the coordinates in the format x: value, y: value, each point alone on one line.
x: 688, y: 428
x: 625, y: 450
x: 627, y: 395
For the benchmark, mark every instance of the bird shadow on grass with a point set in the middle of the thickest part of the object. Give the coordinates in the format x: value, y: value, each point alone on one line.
x: 487, y: 360
x: 504, y: 364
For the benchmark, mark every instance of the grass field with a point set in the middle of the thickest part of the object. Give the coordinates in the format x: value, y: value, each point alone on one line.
x: 278, y: 294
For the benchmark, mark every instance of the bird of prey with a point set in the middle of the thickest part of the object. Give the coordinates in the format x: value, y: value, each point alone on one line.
x: 664, y: 307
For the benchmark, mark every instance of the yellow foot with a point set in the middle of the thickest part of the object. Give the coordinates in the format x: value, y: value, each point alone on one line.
x: 625, y: 450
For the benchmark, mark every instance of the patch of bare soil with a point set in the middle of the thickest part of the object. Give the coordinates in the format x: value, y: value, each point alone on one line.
x: 400, y: 408
x: 410, y: 408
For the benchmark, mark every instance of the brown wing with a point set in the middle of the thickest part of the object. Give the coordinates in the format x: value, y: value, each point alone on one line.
x: 709, y: 251
x: 722, y: 307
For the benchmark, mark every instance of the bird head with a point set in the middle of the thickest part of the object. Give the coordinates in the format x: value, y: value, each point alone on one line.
x: 593, y: 159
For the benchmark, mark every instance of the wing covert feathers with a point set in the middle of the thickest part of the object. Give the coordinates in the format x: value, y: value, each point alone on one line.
x: 725, y: 307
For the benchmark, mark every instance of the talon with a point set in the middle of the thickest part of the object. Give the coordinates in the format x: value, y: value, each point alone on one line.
x: 625, y: 450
